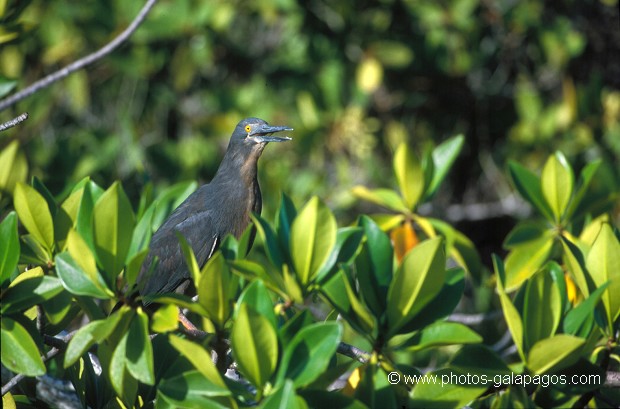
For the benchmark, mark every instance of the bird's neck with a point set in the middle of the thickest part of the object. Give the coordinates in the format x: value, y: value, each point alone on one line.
x: 239, y: 165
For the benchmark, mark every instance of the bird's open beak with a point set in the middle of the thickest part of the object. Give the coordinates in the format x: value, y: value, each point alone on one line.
x: 263, y: 133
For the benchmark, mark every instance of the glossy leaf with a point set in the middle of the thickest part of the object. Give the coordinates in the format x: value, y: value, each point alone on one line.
x: 575, y: 263
x: 165, y: 319
x: 383, y: 197
x: 214, y: 289
x: 603, y: 264
x: 479, y: 360
x: 19, y: 352
x: 112, y: 228
x: 554, y: 353
x: 307, y: 355
x: 585, y: 178
x: 444, y: 156
x: 580, y: 319
x: 284, y: 397
x: 557, y: 181
x: 199, y: 357
x: 252, y: 270
x: 191, y: 389
x: 511, y: 315
x: 409, y: 175
x: 440, y: 334
x: 9, y: 246
x: 374, y: 266
x: 430, y: 395
x: 313, y: 235
x: 34, y: 213
x: 348, y: 240
x: 88, y: 335
x: 257, y: 297
x: 13, y: 168
x: 140, y: 350
x: 286, y: 215
x: 255, y: 346
x: 416, y: 282
x: 529, y: 187
x: 444, y: 302
x: 344, y: 299
x: 542, y: 308
x: 523, y: 261
x: 270, y: 239
x: 27, y: 293
x: 78, y: 281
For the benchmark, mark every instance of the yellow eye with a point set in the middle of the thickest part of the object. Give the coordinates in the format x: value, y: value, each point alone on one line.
x: 248, y: 128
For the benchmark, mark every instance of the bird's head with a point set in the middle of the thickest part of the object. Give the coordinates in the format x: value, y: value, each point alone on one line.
x: 256, y: 131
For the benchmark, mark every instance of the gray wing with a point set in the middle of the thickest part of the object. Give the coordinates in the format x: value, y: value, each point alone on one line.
x: 170, y: 269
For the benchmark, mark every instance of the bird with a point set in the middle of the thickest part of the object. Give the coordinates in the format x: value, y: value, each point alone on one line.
x: 209, y: 214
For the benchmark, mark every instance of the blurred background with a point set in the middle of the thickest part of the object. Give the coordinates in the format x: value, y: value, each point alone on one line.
x: 520, y: 79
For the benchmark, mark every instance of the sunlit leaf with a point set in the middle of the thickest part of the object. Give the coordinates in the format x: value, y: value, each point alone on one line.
x: 9, y: 246
x: 409, y: 174
x: 557, y: 181
x: 19, y: 352
x: 35, y: 215
x: 554, y: 353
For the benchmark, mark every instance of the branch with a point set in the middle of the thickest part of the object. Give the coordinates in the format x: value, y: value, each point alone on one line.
x: 474, y: 319
x: 353, y: 352
x: 15, y: 121
x: 81, y: 63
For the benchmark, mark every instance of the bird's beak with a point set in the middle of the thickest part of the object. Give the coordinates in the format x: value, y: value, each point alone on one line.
x: 263, y: 133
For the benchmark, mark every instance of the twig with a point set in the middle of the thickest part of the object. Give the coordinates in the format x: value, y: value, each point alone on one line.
x: 353, y: 352
x: 50, y: 354
x: 474, y: 319
x: 15, y: 121
x: 82, y: 62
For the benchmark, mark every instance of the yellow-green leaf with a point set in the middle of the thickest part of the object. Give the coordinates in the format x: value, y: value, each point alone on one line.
x: 603, y: 264
x: 34, y: 213
x: 313, y: 235
x: 557, y: 182
x: 409, y: 174
x: 554, y: 353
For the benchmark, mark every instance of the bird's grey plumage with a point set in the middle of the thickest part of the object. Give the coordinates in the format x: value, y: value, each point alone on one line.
x: 213, y: 211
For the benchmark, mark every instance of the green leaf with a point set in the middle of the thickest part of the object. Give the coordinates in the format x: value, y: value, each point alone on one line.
x: 374, y: 266
x: 575, y: 263
x: 374, y: 389
x: 308, y: 354
x: 585, y: 177
x: 444, y: 156
x: 119, y: 376
x: 286, y: 215
x: 511, y: 315
x: 190, y: 258
x: 344, y: 299
x: 252, y: 270
x: 284, y: 398
x: 9, y: 247
x: 257, y: 297
x: 165, y: 319
x: 113, y: 228
x: 191, y: 389
x: 409, y: 174
x: 528, y: 186
x: 313, y: 235
x: 579, y: 320
x: 90, y: 334
x: 255, y: 346
x: 330, y: 399
x: 139, y: 350
x: 443, y: 304
x: 19, y: 352
x: 199, y: 357
x: 542, y: 308
x: 78, y: 281
x: 479, y: 360
x: 603, y: 264
x: 34, y: 213
x: 440, y: 334
x: 214, y: 289
x: 27, y: 293
x: 557, y: 184
x: 554, y: 353
x: 272, y: 244
x: 524, y: 233
x: 523, y: 261
x: 348, y: 241
x: 444, y: 393
x: 13, y: 168
x: 416, y: 282
x: 84, y: 216
x: 383, y: 197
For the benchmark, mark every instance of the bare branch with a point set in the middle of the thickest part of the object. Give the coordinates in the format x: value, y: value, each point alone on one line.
x: 81, y: 63
x: 15, y: 121
x: 353, y: 352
